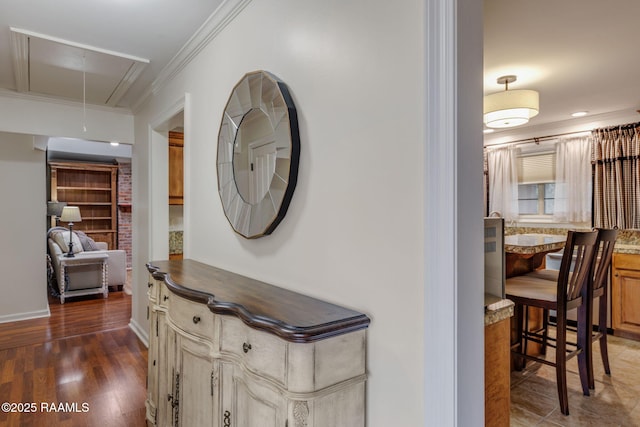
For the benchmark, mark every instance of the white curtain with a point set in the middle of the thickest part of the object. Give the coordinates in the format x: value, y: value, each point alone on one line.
x: 503, y: 182
x: 573, y: 180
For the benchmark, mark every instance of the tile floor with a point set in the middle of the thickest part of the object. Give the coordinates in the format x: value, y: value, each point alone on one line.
x: 615, y: 402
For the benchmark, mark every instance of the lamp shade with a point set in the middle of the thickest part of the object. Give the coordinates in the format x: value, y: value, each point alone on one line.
x: 510, y: 108
x: 70, y: 214
x: 54, y: 208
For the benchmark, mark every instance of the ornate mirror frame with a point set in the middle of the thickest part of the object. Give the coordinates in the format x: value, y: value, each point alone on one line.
x: 258, y: 154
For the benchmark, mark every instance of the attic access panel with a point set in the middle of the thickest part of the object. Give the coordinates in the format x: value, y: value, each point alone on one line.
x: 61, y: 68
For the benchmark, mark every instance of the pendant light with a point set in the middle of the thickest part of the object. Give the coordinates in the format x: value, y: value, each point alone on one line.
x: 511, y: 107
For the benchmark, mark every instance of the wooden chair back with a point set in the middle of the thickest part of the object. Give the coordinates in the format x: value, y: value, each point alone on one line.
x: 580, y: 249
x: 606, y: 242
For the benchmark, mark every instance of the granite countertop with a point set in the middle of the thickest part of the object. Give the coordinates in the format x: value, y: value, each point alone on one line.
x: 622, y: 248
x: 628, y: 241
x: 533, y: 243
x: 496, y: 309
x: 175, y: 242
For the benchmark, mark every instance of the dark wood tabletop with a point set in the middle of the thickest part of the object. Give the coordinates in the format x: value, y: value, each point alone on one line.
x: 288, y: 314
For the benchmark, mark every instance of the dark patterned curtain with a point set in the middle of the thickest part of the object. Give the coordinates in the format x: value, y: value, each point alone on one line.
x: 616, y: 168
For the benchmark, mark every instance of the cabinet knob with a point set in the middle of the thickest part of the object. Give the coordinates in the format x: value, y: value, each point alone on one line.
x: 196, y: 319
x: 166, y: 297
x: 246, y: 347
x: 149, y: 284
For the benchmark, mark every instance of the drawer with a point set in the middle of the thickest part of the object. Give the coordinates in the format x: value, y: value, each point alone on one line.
x: 153, y: 287
x: 192, y: 317
x: 258, y: 351
x: 626, y: 261
x: 164, y: 295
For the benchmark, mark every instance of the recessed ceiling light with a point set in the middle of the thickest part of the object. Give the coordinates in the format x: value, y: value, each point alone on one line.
x: 114, y: 143
x: 488, y: 131
x: 579, y: 113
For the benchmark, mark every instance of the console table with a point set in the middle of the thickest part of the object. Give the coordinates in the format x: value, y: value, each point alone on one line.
x: 79, y: 260
x: 227, y: 350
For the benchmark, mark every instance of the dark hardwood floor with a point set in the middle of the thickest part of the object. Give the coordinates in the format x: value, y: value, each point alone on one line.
x: 83, y: 366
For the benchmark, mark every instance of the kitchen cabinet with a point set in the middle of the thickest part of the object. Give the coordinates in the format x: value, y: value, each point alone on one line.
x: 176, y: 168
x: 625, y: 295
x: 234, y: 351
x: 497, y: 371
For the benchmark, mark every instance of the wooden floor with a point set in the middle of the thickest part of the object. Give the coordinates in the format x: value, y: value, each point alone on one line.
x: 83, y: 366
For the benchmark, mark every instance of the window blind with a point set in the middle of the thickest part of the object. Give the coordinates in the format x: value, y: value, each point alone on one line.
x: 537, y: 168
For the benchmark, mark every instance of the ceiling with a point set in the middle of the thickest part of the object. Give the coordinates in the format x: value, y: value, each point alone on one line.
x: 580, y: 55
x: 107, y: 52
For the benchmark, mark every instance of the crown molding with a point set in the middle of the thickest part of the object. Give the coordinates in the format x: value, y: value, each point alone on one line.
x: 127, y: 80
x: 20, y: 54
x: 218, y: 20
x: 6, y: 93
x: 26, y: 34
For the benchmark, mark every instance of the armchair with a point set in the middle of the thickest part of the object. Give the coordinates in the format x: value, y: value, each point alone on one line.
x: 85, y: 273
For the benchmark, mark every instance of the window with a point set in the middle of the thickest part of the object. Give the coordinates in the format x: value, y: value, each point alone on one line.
x: 536, y: 184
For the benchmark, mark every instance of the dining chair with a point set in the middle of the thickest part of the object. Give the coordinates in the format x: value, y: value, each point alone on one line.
x: 563, y: 295
x: 607, y: 240
x: 602, y: 266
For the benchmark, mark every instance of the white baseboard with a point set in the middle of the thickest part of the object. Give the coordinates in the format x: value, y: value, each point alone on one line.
x: 140, y: 332
x: 25, y: 316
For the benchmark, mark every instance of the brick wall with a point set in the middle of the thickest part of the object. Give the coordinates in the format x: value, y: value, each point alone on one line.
x: 124, y: 209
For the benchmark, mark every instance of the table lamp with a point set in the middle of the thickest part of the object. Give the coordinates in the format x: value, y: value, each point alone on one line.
x: 70, y: 214
x: 54, y: 209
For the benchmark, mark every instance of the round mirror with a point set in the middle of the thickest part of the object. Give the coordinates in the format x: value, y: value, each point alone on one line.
x: 258, y: 153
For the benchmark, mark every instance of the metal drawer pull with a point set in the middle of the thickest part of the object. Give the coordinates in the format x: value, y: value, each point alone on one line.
x: 196, y: 319
x: 246, y: 347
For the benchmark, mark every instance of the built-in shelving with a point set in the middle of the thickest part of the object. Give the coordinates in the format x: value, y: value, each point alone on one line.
x: 93, y: 188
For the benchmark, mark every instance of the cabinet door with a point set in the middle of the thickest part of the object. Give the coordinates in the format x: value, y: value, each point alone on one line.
x: 176, y: 172
x: 247, y: 403
x: 625, y: 302
x: 152, y: 369
x: 166, y: 339
x: 195, y: 385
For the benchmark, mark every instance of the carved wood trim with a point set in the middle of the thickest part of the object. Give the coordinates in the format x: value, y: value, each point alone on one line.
x: 301, y: 413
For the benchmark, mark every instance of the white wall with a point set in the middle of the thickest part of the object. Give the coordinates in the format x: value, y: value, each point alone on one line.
x: 37, y: 115
x: 469, y: 269
x: 355, y: 231
x: 23, y: 229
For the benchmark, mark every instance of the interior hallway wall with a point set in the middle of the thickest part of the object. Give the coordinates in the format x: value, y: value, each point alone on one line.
x: 23, y: 228
x: 353, y: 233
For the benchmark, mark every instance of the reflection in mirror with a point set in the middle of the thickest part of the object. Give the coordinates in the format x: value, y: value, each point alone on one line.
x: 254, y: 156
x: 258, y: 152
